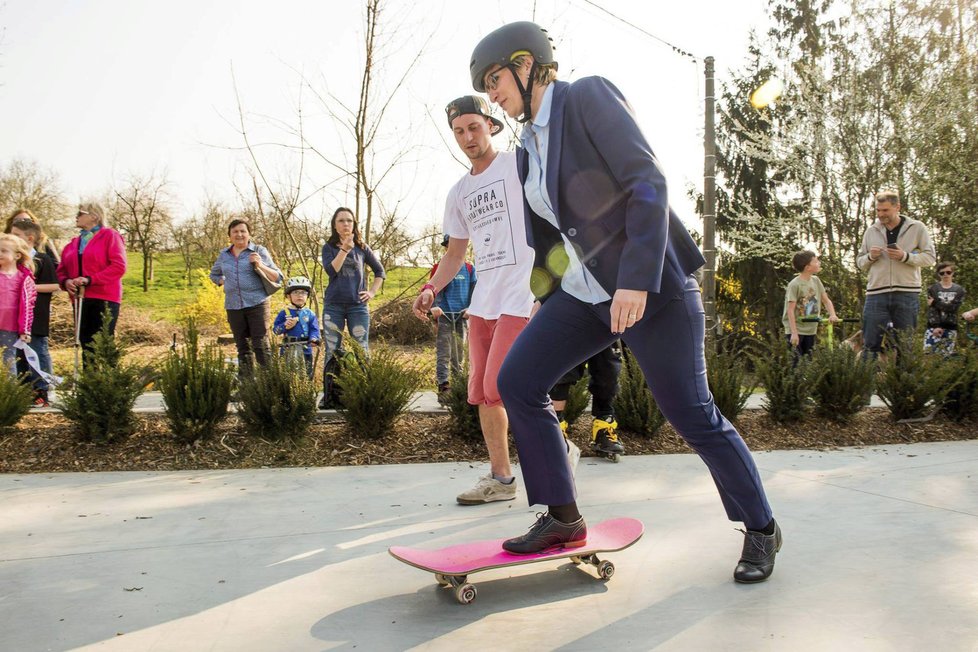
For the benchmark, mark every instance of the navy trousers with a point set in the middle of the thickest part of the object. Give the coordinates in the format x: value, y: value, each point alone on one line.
x: 668, y: 346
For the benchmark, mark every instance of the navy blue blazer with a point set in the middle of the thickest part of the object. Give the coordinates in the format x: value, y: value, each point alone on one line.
x: 610, y: 199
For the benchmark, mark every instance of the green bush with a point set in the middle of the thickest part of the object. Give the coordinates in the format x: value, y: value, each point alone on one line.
x: 99, y: 402
x: 377, y: 389
x: 577, y: 399
x: 16, y: 399
x: 730, y: 383
x: 635, y: 408
x: 785, y: 382
x: 196, y: 386
x: 961, y: 403
x: 839, y: 381
x: 277, y: 401
x: 912, y: 383
x: 464, y: 417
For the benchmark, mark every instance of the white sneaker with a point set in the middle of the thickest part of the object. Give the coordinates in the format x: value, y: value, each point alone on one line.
x: 573, y: 456
x: 487, y: 490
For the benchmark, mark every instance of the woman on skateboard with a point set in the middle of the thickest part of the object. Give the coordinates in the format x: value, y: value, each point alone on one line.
x: 597, y: 208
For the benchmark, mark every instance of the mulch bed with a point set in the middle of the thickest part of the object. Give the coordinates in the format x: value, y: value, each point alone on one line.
x: 46, y: 443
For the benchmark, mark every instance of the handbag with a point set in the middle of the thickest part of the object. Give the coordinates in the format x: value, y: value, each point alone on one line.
x: 271, y: 287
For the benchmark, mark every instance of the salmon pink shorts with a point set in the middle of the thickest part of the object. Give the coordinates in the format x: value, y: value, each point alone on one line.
x: 489, y: 342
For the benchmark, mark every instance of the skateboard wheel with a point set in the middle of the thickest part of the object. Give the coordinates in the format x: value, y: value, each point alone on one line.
x: 465, y: 594
x: 606, y: 570
x: 615, y: 457
x: 442, y: 580
x: 576, y: 560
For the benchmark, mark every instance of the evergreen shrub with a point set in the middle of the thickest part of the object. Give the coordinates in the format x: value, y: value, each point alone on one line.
x: 785, y: 381
x: 196, y: 386
x: 464, y: 418
x: 912, y: 383
x: 730, y: 383
x: 15, y: 400
x: 277, y: 401
x: 635, y: 407
x: 839, y: 381
x: 377, y: 389
x: 961, y: 403
x: 577, y: 399
x: 99, y: 402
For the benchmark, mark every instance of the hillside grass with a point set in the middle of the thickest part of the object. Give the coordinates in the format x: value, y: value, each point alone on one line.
x: 169, y: 293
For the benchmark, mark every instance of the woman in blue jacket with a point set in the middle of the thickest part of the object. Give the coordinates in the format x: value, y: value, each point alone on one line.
x: 597, y: 201
x: 345, y: 304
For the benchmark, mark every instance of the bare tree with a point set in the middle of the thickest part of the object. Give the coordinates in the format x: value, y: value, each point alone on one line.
x: 25, y: 184
x: 142, y: 212
x: 199, y: 238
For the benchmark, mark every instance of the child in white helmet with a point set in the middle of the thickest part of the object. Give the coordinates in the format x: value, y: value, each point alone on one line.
x: 296, y: 323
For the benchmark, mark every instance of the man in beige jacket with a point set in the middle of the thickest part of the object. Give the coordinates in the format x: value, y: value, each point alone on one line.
x: 893, y: 250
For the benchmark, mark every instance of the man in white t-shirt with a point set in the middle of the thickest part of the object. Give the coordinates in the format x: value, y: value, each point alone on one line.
x: 486, y: 207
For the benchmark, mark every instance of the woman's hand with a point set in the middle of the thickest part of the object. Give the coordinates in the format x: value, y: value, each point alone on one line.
x: 25, y: 337
x: 627, y: 309
x: 366, y: 296
x: 255, y: 259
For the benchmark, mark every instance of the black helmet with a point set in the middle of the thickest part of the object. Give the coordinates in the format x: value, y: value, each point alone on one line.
x: 475, y: 105
x: 498, y: 48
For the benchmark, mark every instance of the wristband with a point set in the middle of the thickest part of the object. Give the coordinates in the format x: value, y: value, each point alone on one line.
x: 429, y: 286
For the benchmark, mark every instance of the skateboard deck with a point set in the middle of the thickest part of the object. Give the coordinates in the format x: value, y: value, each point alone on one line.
x: 452, y: 565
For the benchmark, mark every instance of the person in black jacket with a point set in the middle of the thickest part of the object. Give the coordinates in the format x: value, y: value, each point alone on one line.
x: 944, y: 299
x: 46, y: 280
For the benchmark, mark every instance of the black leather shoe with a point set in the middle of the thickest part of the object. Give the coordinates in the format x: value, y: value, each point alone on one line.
x: 548, y: 533
x: 757, y: 559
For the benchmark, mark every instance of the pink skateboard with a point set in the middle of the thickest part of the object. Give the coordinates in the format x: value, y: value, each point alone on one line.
x: 453, y: 565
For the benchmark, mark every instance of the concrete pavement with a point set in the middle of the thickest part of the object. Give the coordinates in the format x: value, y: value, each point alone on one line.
x: 880, y: 553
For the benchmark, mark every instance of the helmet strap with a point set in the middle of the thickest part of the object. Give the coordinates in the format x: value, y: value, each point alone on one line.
x: 526, y: 92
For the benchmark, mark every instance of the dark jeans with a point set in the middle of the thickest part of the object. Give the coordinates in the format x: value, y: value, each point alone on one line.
x: 249, y: 327
x: 897, y: 308
x: 668, y: 346
x: 40, y: 346
x: 603, y: 368
x: 91, y: 319
x: 805, y: 345
x: 449, y: 345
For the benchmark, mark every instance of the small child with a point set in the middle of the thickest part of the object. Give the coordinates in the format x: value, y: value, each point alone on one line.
x: 450, y: 312
x: 804, y: 297
x: 296, y: 322
x: 46, y: 279
x: 17, y: 297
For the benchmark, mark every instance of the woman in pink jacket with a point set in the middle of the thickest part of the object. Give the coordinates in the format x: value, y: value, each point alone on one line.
x: 92, y: 266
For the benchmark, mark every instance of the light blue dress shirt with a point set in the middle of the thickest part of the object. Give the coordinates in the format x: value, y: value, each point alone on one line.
x: 576, y: 281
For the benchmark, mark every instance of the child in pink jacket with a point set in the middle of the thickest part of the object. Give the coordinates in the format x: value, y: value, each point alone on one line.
x: 17, y: 297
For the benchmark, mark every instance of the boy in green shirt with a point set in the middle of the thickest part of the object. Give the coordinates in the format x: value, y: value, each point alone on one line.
x: 804, y: 297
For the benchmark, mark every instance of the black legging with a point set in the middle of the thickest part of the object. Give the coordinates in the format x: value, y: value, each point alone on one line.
x: 249, y: 326
x: 91, y: 319
x: 604, y: 368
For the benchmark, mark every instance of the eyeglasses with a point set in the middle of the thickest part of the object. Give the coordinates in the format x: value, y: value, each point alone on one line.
x: 946, y: 273
x: 492, y: 79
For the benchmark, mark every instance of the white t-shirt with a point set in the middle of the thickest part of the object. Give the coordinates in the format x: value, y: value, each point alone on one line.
x: 487, y: 209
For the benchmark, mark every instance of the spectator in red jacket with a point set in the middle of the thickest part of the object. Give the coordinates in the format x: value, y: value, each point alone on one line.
x: 92, y: 266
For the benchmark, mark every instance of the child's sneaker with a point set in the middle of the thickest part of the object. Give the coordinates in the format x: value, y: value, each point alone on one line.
x: 444, y: 393
x: 41, y: 400
x: 487, y: 490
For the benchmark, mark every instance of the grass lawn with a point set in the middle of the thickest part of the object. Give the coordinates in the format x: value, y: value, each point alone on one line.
x: 169, y: 291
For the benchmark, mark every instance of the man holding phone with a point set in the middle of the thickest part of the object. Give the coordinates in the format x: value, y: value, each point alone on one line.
x: 894, y: 249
